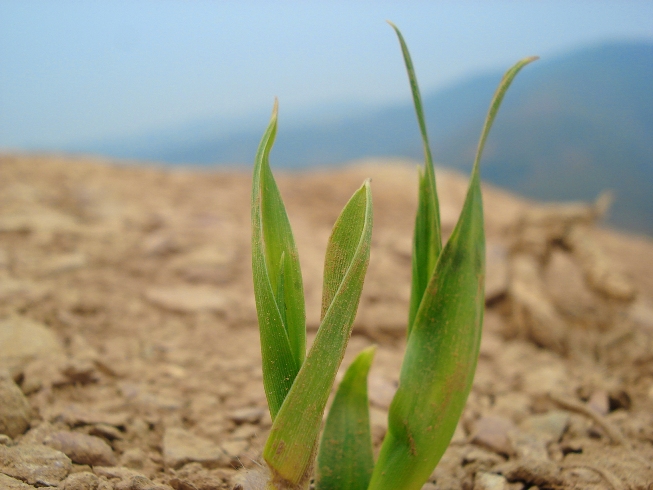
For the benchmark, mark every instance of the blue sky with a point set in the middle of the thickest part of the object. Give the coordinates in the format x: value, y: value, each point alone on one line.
x: 72, y: 72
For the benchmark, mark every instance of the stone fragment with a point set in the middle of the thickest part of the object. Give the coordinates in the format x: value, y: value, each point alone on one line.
x: 188, y: 299
x: 15, y: 411
x: 599, y: 402
x: 496, y: 271
x: 42, y: 372
x: 249, y: 414
x: 139, y: 483
x: 181, y: 447
x: 106, y: 431
x: 9, y: 483
x: 528, y: 446
x: 549, y: 427
x: 490, y: 481
x: 22, y: 340
x: 533, y: 311
x: 538, y: 227
x: 80, y: 481
x: 115, y: 472
x: 82, y: 448
x: 133, y: 458
x: 601, y: 273
x: 479, y: 459
x: 492, y: 432
x: 566, y: 285
x: 80, y: 371
x: 543, y: 473
x: 34, y: 464
x: 75, y: 415
x: 195, y: 477
x: 179, y: 484
x: 586, y: 476
x: 38, y: 432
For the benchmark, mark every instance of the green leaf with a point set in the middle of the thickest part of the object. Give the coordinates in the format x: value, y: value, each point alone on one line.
x: 345, y: 459
x: 277, y: 280
x: 427, y: 239
x: 291, y: 446
x: 442, y: 350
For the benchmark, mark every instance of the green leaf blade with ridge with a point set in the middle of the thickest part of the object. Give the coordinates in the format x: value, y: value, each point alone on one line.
x: 277, y: 280
x: 345, y: 459
x: 442, y: 350
x: 291, y: 447
x: 427, y: 239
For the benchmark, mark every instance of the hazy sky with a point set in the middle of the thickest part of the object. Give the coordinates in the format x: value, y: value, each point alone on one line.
x: 72, y: 72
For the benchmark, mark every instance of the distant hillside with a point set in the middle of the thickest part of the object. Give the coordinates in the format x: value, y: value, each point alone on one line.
x: 570, y: 127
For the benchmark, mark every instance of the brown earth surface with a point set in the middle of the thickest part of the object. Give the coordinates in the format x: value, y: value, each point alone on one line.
x: 129, y: 353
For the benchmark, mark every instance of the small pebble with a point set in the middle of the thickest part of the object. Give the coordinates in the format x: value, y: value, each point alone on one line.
x: 492, y: 432
x: 599, y: 402
x: 490, y: 481
x: 181, y: 447
x: 549, y: 426
x: 34, y: 464
x: 82, y: 448
x: 9, y: 483
x: 15, y: 411
x: 23, y: 340
x: 80, y: 481
x: 250, y: 414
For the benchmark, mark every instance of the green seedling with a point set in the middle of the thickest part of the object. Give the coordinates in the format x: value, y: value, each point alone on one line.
x: 444, y: 331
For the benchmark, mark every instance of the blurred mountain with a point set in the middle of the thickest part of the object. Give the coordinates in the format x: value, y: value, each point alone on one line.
x: 569, y: 128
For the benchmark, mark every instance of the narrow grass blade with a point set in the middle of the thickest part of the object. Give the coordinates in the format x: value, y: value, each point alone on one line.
x: 442, y: 351
x: 291, y: 446
x: 426, y: 245
x: 277, y: 280
x: 345, y: 459
x: 427, y: 240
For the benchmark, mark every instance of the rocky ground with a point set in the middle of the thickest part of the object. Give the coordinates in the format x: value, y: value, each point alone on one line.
x: 129, y: 355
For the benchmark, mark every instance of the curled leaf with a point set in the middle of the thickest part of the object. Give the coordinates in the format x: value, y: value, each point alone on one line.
x: 291, y: 447
x: 278, y: 285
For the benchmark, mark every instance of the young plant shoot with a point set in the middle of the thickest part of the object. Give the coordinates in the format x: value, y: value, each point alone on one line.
x: 444, y: 330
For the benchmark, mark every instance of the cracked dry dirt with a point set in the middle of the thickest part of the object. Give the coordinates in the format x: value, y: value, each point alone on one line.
x: 129, y: 355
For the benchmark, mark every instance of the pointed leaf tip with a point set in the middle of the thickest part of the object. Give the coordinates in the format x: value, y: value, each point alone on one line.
x: 277, y: 279
x: 427, y: 238
x: 497, y: 99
